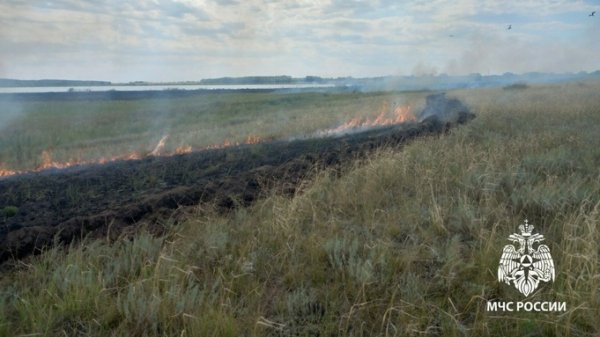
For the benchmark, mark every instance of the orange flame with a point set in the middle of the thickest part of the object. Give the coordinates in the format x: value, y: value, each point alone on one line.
x: 7, y: 172
x: 400, y: 114
x: 253, y: 139
x: 183, y: 149
x: 48, y: 163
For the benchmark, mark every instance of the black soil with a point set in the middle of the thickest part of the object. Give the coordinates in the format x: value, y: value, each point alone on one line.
x: 57, y: 206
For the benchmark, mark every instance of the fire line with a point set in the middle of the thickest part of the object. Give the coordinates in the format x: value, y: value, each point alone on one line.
x: 398, y: 115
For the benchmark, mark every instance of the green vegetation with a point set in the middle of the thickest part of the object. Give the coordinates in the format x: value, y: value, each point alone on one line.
x: 405, y: 243
x: 9, y: 211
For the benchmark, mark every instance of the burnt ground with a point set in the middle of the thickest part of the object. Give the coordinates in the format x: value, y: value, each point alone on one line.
x: 57, y: 206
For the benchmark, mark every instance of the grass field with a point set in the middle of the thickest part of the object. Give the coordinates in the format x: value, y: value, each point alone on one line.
x: 405, y: 243
x: 75, y: 130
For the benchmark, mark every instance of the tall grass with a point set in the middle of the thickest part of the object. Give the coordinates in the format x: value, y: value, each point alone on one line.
x: 405, y: 243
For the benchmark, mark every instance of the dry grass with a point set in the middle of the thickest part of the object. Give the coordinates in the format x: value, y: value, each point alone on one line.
x: 405, y: 244
x: 76, y: 130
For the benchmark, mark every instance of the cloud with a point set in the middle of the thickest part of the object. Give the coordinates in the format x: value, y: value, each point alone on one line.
x: 185, y: 39
x: 227, y: 2
x: 180, y: 9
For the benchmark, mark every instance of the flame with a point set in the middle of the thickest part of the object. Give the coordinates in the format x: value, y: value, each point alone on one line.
x: 226, y: 143
x: 7, y: 172
x: 399, y: 115
x: 253, y: 139
x: 48, y: 163
x: 183, y: 149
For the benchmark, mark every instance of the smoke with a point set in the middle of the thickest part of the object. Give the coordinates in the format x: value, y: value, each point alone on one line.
x: 11, y: 111
x: 10, y: 114
x: 423, y: 69
x: 438, y: 109
x: 445, y: 110
x: 159, y: 147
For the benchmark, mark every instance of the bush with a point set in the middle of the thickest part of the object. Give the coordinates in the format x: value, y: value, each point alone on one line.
x: 516, y: 86
x: 9, y: 211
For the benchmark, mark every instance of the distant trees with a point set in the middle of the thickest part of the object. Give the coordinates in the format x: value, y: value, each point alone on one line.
x: 249, y: 80
x: 313, y: 79
x: 262, y: 80
x: 7, y: 82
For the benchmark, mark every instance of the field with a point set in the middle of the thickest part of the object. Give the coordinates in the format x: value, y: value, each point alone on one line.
x: 403, y: 242
x: 85, y: 129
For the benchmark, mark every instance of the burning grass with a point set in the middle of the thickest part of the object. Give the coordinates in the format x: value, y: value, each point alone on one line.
x: 66, y: 133
x: 405, y: 244
x: 387, y: 116
x: 362, y: 121
x: 158, y: 151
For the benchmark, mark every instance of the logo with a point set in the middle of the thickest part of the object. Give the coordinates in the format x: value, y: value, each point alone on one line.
x: 526, y: 266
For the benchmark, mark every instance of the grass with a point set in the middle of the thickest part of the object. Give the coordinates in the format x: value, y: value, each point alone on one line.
x: 405, y: 243
x: 76, y: 130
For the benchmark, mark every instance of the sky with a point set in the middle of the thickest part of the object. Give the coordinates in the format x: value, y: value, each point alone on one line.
x: 187, y: 40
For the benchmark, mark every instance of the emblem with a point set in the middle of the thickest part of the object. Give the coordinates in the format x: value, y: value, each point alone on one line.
x: 526, y: 266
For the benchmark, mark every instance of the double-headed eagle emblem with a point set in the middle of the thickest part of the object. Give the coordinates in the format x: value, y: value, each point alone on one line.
x: 527, y: 266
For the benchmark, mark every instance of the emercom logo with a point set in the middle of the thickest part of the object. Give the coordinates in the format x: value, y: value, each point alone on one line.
x: 524, y: 267
x: 527, y: 266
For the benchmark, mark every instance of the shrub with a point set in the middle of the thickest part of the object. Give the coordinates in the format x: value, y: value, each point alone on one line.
x: 10, y: 211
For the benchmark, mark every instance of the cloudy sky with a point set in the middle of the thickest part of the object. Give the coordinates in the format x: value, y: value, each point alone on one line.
x: 172, y: 40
